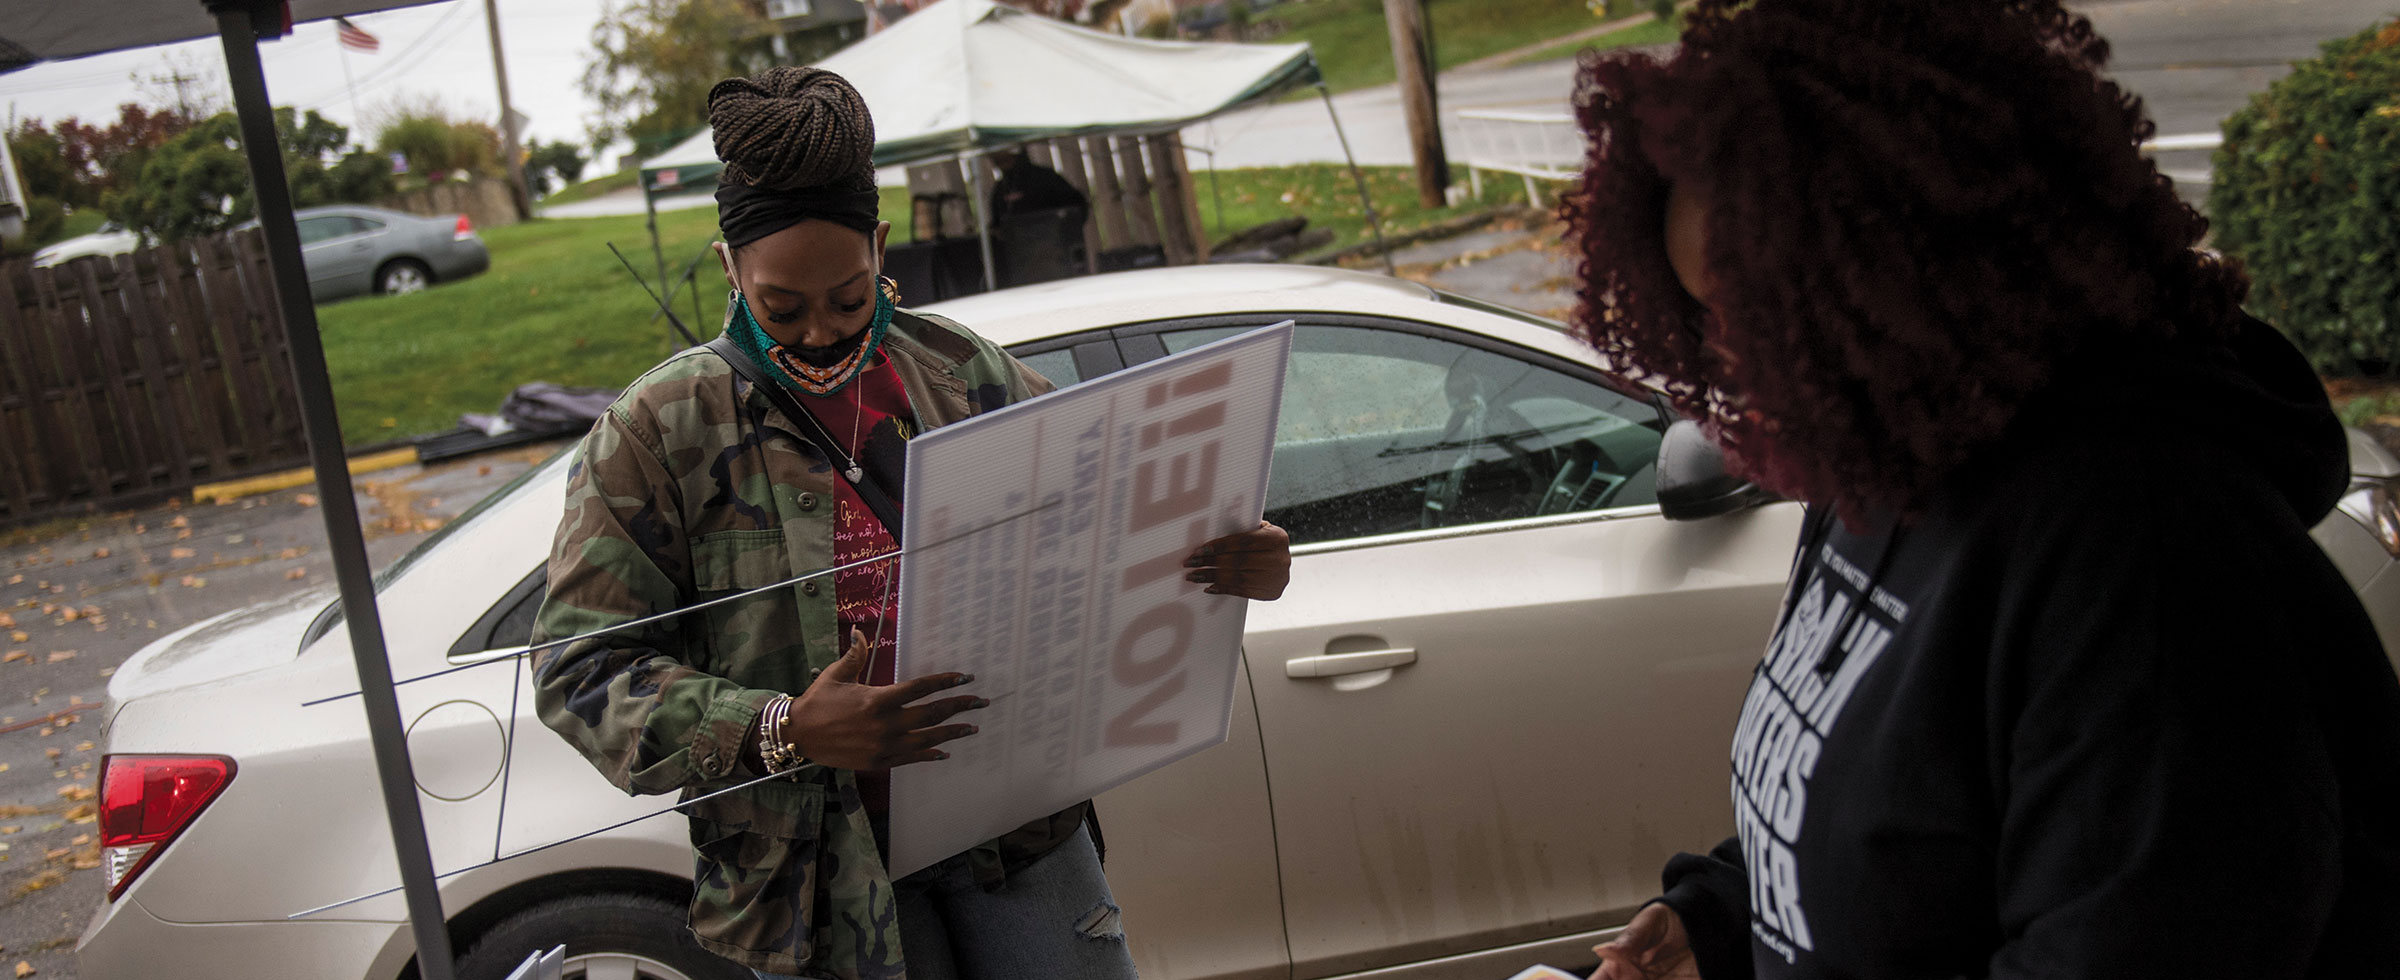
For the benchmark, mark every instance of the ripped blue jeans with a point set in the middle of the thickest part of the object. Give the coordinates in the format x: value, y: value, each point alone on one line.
x: 1053, y: 920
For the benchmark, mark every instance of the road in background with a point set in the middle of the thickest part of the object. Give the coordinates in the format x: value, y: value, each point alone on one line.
x: 2194, y: 62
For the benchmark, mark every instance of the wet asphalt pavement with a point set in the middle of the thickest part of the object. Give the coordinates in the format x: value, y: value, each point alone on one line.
x: 79, y: 597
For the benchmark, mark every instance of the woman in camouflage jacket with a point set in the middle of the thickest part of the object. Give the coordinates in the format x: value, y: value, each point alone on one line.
x: 694, y: 486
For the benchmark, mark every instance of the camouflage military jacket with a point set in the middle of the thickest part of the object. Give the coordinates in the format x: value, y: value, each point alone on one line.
x: 693, y: 487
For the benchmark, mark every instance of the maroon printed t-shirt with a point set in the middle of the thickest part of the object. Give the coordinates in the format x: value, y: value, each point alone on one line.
x: 875, y: 407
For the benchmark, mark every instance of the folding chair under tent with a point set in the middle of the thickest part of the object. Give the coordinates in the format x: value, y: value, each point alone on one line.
x: 34, y: 31
x: 964, y: 78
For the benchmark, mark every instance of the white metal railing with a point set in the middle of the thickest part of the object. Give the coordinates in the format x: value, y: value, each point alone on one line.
x: 1533, y: 145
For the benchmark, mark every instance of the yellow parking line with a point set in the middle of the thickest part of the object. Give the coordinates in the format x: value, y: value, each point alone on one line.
x: 217, y: 493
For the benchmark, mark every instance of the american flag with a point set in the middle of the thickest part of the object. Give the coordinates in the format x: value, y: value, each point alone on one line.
x: 353, y: 38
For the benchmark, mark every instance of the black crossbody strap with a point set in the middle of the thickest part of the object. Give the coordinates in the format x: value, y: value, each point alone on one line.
x: 869, y: 491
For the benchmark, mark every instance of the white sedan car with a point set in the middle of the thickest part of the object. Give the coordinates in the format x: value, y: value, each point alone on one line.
x: 1460, y: 484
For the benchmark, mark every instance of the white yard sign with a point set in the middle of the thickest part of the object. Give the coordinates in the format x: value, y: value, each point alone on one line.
x: 1045, y: 556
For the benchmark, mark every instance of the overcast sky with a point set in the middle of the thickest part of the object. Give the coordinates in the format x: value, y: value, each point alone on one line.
x: 439, y: 50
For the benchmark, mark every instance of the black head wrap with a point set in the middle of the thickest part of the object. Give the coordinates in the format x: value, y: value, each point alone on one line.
x: 797, y: 144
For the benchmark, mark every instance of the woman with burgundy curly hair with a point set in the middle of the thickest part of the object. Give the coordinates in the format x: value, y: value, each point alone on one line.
x: 2055, y: 694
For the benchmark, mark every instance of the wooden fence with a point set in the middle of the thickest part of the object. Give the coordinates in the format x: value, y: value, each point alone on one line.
x: 128, y: 378
x: 1140, y: 189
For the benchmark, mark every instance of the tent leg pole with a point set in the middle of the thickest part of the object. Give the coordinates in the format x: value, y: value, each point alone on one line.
x: 983, y: 223
x: 1374, y: 223
x: 658, y: 255
x: 237, y: 22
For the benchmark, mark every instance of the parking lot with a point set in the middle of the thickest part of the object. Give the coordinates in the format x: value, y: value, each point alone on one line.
x: 78, y: 597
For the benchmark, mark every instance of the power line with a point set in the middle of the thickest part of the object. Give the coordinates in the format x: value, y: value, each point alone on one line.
x: 425, y: 45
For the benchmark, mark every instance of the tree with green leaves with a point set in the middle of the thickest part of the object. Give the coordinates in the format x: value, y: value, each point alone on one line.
x: 653, y: 62
x: 548, y: 162
x: 198, y: 184
x: 437, y: 145
x: 2307, y: 194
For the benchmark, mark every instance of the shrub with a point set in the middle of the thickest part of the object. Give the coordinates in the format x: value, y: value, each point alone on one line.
x: 2307, y: 195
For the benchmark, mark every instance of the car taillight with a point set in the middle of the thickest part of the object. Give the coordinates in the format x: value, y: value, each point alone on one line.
x: 466, y: 230
x: 145, y: 800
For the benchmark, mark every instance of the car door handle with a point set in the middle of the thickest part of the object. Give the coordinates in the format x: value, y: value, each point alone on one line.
x: 1337, y: 664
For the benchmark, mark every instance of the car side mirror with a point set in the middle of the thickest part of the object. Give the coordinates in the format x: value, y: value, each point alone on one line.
x: 1692, y: 482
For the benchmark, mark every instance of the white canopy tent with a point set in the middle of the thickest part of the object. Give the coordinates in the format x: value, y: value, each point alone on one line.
x: 967, y: 75
x: 962, y: 78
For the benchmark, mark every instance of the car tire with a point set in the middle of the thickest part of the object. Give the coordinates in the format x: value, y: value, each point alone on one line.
x: 402, y: 276
x: 604, y: 935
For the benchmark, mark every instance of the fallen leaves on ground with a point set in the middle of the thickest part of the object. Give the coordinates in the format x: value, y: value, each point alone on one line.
x: 25, y: 969
x: 83, y: 813
x: 100, y: 552
x: 19, y: 636
x: 180, y: 521
x: 59, y: 655
x: 194, y: 582
x: 53, y: 751
x: 305, y: 499
x: 295, y: 574
x: 15, y: 655
x: 178, y: 554
x: 40, y: 880
x: 7, y: 621
x: 289, y: 553
x: 77, y: 792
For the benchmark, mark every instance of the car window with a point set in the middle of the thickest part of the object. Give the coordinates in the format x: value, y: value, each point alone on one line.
x: 1386, y: 430
x: 361, y: 225
x: 508, y: 625
x: 1056, y: 365
x: 314, y: 230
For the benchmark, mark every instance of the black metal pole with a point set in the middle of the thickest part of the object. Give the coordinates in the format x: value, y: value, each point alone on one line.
x: 238, y: 23
x: 1366, y: 201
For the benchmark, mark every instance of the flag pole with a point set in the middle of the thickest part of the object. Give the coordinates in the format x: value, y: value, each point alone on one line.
x: 357, y: 120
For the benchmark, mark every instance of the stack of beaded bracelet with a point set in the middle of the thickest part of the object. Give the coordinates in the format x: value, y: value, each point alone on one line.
x: 780, y: 756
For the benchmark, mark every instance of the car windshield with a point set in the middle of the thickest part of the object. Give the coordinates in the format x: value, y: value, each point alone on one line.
x: 453, y: 531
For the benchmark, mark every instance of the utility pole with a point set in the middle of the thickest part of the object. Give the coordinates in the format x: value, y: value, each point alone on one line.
x: 1412, y: 54
x: 517, y: 193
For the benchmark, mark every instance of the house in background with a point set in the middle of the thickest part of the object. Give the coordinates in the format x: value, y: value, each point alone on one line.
x: 12, y: 199
x: 801, y: 32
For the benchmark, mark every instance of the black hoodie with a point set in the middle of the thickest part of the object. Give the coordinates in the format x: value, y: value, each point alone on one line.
x: 2103, y: 711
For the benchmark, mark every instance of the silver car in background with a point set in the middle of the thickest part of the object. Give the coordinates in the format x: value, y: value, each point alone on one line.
x: 353, y: 249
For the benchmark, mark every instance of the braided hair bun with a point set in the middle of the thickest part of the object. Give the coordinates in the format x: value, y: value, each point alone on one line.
x: 791, y: 129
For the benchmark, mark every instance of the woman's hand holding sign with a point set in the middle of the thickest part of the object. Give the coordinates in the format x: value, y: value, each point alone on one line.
x: 843, y: 722
x: 1253, y: 564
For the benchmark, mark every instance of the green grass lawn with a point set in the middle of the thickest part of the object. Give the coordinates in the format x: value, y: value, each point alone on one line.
x: 556, y: 306
x: 1354, y: 47
x: 82, y: 222
x: 1328, y: 196
x: 1646, y: 32
x: 595, y: 187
